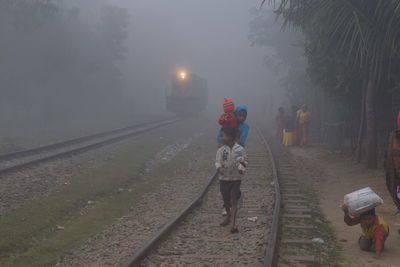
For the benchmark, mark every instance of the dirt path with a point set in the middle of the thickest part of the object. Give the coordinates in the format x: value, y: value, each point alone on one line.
x: 333, y: 176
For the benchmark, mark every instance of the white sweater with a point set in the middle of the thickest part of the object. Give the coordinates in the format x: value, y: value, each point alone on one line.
x: 232, y: 160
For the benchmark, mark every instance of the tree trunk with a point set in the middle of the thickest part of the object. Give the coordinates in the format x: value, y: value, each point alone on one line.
x: 361, y: 130
x: 323, y: 116
x: 372, y: 135
x: 318, y: 112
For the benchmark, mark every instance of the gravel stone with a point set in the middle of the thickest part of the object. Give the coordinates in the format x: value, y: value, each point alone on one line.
x: 198, y: 240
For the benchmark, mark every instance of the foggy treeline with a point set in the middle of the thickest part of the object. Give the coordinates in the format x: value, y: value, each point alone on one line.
x: 68, y: 61
x: 287, y: 61
x: 56, y: 66
x: 347, y: 71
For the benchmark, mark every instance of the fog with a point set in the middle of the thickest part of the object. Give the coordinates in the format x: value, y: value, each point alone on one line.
x: 72, y: 63
x: 206, y: 37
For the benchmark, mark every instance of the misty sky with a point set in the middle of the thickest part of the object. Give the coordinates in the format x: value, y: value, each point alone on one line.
x: 208, y: 37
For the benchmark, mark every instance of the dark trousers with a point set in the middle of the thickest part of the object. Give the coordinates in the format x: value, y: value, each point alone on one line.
x: 367, y: 244
x: 230, y: 190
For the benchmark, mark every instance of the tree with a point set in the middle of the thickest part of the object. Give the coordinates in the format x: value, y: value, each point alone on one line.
x: 57, y: 69
x: 358, y: 35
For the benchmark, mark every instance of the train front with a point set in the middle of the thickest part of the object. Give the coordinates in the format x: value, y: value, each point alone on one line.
x: 188, y: 94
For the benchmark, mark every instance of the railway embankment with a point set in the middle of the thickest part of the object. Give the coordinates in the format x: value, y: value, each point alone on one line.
x: 331, y: 176
x: 86, y: 193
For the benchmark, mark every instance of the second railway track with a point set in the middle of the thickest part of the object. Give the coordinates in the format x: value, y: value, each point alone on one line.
x: 277, y: 221
x: 298, y: 224
x: 16, y: 161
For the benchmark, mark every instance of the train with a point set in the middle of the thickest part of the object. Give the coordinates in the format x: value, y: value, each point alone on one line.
x: 187, y: 94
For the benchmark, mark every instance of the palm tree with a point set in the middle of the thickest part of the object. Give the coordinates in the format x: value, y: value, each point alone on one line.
x: 365, y: 33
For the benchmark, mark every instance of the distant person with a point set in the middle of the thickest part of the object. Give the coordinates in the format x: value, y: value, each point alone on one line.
x: 288, y: 131
x: 304, y: 118
x: 280, y: 123
x: 231, y: 162
x: 392, y: 165
x: 241, y: 116
x: 294, y: 115
x: 398, y: 120
x: 375, y: 230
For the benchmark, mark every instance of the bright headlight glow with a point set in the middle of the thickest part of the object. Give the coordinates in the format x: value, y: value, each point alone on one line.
x: 182, y: 75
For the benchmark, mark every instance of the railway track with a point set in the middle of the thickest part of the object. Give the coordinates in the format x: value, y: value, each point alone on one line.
x: 194, y: 238
x: 275, y: 221
x: 294, y: 239
x: 295, y: 246
x: 16, y: 161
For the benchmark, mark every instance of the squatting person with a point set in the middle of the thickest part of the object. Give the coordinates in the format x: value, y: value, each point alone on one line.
x: 375, y: 230
x: 231, y: 161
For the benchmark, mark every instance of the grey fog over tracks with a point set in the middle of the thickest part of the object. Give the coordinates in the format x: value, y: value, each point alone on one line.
x: 21, y: 185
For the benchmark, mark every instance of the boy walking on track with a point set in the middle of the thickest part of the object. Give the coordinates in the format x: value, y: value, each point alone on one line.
x: 231, y: 161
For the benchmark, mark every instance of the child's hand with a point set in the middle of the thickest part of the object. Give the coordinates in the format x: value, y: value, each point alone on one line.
x: 221, y: 170
x: 241, y: 169
x: 240, y: 159
x: 345, y: 209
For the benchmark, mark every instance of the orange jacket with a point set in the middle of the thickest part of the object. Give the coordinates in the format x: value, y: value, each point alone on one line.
x: 228, y: 120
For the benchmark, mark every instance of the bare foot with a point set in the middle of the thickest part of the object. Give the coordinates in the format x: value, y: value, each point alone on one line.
x: 234, y: 230
x: 225, y: 222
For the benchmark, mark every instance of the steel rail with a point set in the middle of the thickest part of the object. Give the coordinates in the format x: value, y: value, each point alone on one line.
x: 270, y: 257
x: 140, y: 254
x: 35, y: 150
x: 271, y: 252
x: 92, y: 146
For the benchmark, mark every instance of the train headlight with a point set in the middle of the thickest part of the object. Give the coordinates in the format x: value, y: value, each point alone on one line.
x: 182, y: 75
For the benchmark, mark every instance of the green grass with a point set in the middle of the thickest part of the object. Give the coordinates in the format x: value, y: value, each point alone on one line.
x: 28, y: 234
x: 19, y: 137
x: 327, y: 254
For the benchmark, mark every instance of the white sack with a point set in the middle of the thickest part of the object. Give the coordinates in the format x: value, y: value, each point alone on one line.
x: 361, y: 201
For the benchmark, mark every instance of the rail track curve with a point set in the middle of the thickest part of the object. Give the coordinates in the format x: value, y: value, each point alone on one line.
x: 266, y: 246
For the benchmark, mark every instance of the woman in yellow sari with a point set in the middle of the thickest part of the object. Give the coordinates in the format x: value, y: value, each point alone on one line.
x: 304, y: 118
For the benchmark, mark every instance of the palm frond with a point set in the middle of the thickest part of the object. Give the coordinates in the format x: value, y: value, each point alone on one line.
x: 366, y: 32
